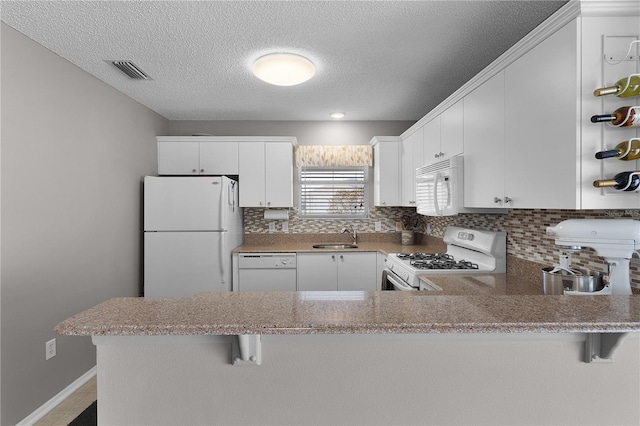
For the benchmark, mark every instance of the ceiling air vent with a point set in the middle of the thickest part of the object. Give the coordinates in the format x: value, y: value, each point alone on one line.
x: 131, y: 69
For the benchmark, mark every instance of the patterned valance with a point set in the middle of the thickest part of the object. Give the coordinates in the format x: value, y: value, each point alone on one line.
x: 334, y: 156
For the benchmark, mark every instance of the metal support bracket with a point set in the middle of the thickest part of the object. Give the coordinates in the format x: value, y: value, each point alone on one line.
x: 600, y: 347
x: 246, y: 349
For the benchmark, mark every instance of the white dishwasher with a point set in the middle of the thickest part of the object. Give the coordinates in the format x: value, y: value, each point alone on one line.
x: 267, y: 271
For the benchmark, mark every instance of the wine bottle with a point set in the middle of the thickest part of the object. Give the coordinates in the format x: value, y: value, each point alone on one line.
x: 624, y: 88
x: 627, y: 151
x: 625, y: 181
x: 622, y: 117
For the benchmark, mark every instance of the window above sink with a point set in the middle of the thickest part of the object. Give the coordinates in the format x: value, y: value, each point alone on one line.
x: 334, y: 192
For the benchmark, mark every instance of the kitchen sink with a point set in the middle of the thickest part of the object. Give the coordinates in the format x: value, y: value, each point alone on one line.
x: 335, y: 246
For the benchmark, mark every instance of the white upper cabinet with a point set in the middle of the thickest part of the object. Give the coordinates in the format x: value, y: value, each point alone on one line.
x: 197, y: 155
x: 178, y: 158
x: 484, y: 145
x: 266, y: 173
x: 451, y: 131
x: 431, y: 141
x: 386, y: 171
x: 528, y: 141
x: 279, y: 174
x: 520, y: 147
x: 444, y: 135
x: 252, y: 174
x: 410, y: 159
x: 219, y: 158
x: 264, y: 165
x: 541, y: 113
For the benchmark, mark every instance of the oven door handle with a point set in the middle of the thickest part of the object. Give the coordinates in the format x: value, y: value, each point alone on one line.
x: 390, y: 276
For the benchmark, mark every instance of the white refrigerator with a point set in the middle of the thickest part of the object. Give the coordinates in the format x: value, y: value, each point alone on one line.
x: 191, y: 224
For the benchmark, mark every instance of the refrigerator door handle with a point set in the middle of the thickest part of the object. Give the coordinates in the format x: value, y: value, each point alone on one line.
x: 222, y: 251
x: 222, y: 213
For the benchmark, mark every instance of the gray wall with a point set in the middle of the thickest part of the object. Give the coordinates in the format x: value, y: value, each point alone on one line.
x: 307, y: 132
x: 74, y: 151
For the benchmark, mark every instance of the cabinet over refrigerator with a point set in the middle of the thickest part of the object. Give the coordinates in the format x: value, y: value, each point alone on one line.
x: 191, y: 224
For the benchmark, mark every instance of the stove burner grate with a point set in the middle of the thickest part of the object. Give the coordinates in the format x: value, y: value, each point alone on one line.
x: 443, y: 264
x: 425, y: 256
x: 441, y: 261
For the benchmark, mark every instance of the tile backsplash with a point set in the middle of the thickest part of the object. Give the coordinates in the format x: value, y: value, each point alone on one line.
x: 526, y: 229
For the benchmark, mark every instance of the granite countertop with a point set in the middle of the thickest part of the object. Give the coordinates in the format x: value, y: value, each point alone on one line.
x: 479, y: 303
x: 376, y: 312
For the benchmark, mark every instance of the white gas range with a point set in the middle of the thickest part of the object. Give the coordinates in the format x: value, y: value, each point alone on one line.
x: 469, y: 251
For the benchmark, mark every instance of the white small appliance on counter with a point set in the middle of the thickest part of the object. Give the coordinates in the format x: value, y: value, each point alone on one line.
x: 614, y: 239
x: 191, y: 224
x: 469, y: 251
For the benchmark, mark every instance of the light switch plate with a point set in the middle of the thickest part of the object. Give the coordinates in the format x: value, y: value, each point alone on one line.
x: 378, y: 226
x: 285, y: 226
x: 272, y: 227
x: 50, y: 349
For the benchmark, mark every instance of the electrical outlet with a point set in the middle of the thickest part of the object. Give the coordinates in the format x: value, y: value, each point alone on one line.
x: 428, y: 229
x: 285, y: 226
x: 50, y: 349
x: 272, y: 227
x: 378, y: 226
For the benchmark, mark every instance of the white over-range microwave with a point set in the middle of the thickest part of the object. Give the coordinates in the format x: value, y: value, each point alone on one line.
x: 440, y: 189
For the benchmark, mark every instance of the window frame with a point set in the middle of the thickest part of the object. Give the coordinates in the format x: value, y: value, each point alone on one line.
x: 303, y: 214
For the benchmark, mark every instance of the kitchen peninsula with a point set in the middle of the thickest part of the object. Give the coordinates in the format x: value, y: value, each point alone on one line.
x: 364, y: 358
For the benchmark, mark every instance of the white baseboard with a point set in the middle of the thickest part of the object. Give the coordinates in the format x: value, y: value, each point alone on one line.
x: 53, y: 402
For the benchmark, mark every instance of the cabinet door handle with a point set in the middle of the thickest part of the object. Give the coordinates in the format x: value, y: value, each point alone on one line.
x: 341, y: 257
x: 201, y: 170
x: 497, y: 200
x: 260, y: 203
x: 268, y: 203
x: 333, y: 257
x: 194, y: 171
x: 507, y: 200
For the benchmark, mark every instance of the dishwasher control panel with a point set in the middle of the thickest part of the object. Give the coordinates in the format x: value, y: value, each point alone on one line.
x: 266, y: 260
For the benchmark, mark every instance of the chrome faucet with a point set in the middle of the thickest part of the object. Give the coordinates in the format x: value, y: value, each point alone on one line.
x: 352, y: 232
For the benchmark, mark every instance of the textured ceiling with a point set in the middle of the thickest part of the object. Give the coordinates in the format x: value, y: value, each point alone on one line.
x: 376, y: 60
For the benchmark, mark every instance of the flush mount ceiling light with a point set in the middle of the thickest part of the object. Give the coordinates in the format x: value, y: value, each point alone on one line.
x: 284, y: 69
x: 337, y: 115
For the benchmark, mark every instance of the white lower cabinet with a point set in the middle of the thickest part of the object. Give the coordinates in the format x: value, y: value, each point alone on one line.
x: 331, y: 271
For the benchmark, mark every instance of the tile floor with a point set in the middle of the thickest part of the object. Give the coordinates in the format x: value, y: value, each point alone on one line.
x: 70, y: 408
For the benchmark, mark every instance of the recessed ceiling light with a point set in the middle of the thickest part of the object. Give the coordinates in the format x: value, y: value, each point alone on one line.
x: 284, y: 69
x: 337, y: 115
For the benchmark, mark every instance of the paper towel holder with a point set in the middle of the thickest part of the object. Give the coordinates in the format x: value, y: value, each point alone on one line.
x: 276, y: 214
